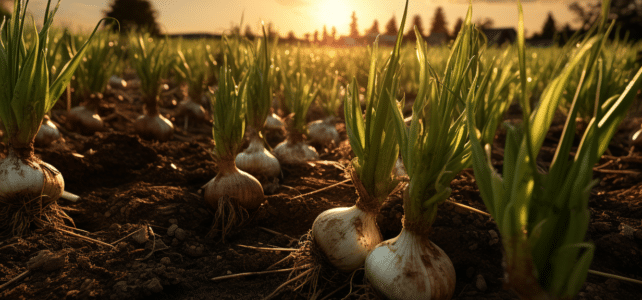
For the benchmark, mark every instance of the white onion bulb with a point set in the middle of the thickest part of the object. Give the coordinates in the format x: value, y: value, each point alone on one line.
x: 273, y: 122
x: 154, y: 127
x: 410, y: 267
x: 236, y: 184
x: 346, y: 235
x: 29, y: 178
x: 192, y: 109
x: 323, y: 132
x: 258, y: 161
x: 85, y: 119
x: 295, y: 153
x: 47, y: 134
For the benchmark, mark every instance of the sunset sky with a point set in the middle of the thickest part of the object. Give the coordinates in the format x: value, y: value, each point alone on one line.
x: 303, y: 16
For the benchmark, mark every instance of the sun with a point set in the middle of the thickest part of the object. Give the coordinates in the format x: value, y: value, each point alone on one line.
x: 332, y: 13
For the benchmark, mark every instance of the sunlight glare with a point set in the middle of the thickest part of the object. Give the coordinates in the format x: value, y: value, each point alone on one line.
x: 332, y: 13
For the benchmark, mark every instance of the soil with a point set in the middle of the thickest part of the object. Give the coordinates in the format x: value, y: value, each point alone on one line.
x: 128, y: 185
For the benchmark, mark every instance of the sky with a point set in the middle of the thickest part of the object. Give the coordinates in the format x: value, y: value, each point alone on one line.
x: 305, y: 16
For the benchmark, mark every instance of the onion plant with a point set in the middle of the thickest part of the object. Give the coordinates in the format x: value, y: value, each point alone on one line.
x: 151, y: 63
x: 543, y: 216
x: 347, y: 234
x: 91, y: 79
x: 231, y: 187
x: 300, y: 91
x: 56, y: 58
x: 193, y: 68
x: 257, y: 94
x: 324, y: 132
x: 27, y: 184
x: 434, y: 150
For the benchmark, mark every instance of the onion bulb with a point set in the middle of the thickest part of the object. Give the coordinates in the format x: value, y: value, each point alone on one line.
x: 154, y: 127
x: 323, y: 132
x: 191, y: 109
x: 410, y: 267
x: 85, y: 119
x: 29, y: 179
x: 236, y: 184
x: 298, y: 152
x: 273, y: 122
x: 258, y: 161
x: 47, y: 134
x: 346, y: 235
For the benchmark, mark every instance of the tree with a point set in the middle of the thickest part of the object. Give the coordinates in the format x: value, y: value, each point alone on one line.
x: 333, y: 34
x: 291, y: 37
x: 391, y: 26
x: 439, y: 22
x: 549, y: 29
x: 416, y: 21
x: 628, y: 12
x: 586, y: 13
x: 249, y: 34
x: 486, y: 23
x: 133, y: 15
x: 306, y: 37
x: 316, y: 36
x: 457, y: 28
x: 374, y: 30
x: 326, y: 37
x: 354, y: 30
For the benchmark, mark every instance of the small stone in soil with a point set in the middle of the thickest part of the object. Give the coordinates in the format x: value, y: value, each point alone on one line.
x: 154, y: 285
x: 165, y: 260
x: 141, y: 236
x: 626, y: 230
x: 480, y: 283
x: 172, y: 229
x: 180, y: 234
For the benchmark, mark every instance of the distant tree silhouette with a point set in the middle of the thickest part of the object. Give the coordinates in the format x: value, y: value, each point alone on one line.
x: 410, y: 34
x: 586, y: 13
x: 628, y: 12
x: 306, y: 36
x: 374, y: 29
x: 549, y: 29
x: 354, y: 30
x: 249, y: 34
x: 316, y: 36
x: 133, y: 15
x: 391, y: 26
x: 439, y: 22
x: 486, y: 23
x: 333, y: 34
x: 457, y: 28
x: 291, y: 37
x: 325, y: 36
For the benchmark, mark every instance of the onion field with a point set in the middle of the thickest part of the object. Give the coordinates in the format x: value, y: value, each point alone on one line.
x: 135, y: 166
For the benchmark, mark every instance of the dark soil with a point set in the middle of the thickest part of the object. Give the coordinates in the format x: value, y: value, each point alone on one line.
x: 128, y: 185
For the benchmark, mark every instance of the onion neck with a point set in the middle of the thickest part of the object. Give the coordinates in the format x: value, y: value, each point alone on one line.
x: 24, y: 151
x: 151, y: 106
x: 417, y: 219
x: 295, y: 137
x: 365, y: 202
x: 226, y: 167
